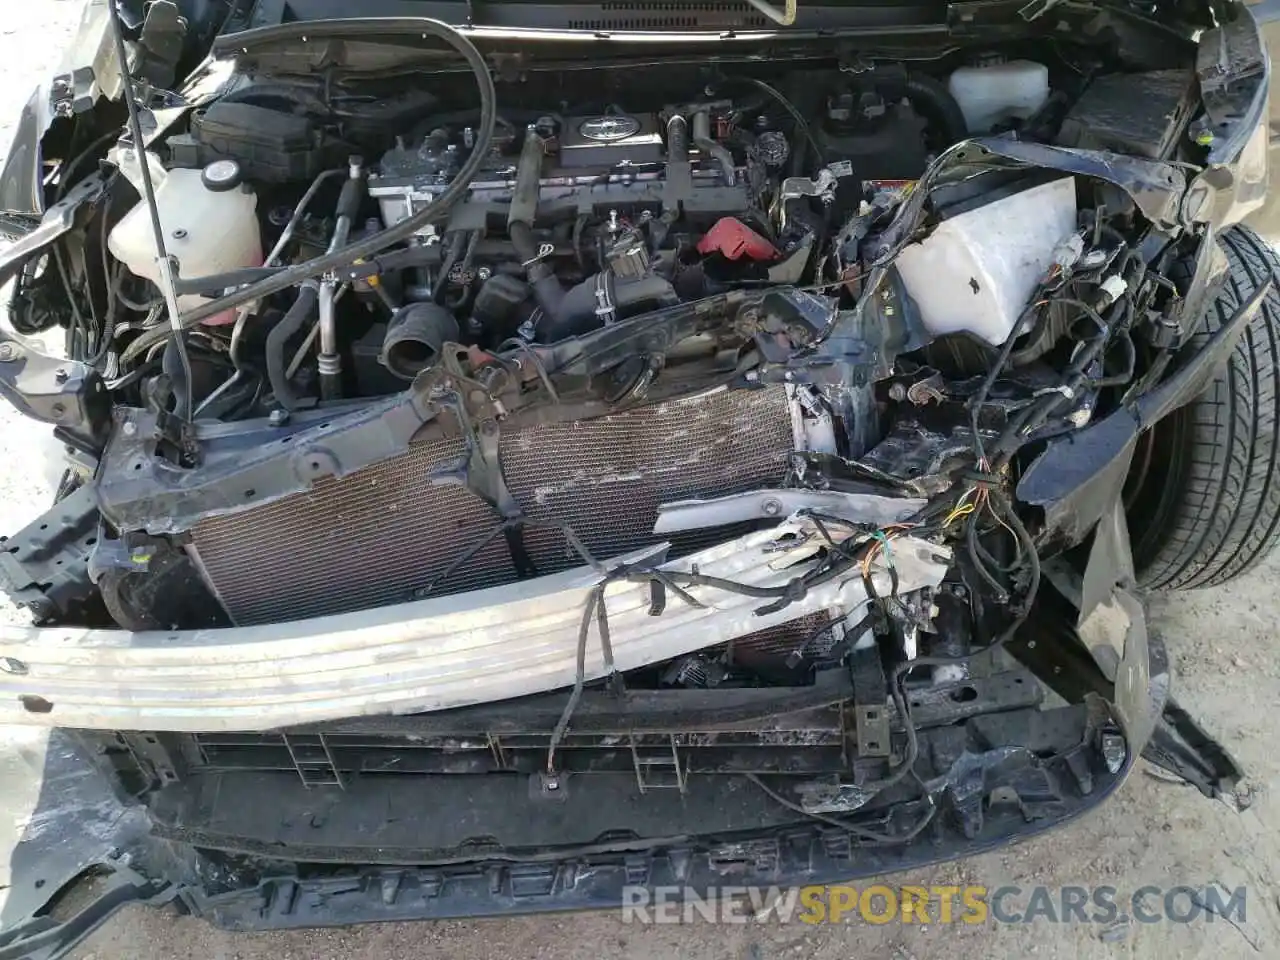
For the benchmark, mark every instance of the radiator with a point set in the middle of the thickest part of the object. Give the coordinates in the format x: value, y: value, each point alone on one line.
x: 385, y: 534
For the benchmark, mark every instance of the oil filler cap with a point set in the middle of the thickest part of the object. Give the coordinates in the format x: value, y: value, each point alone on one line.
x: 222, y: 175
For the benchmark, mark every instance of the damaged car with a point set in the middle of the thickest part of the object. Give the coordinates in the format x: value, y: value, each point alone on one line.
x: 513, y: 452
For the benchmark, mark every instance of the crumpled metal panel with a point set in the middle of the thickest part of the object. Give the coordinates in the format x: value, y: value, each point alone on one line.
x: 478, y: 647
x: 383, y: 534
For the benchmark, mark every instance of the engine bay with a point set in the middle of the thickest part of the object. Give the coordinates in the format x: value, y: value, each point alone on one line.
x: 447, y: 415
x: 581, y: 262
x: 579, y: 214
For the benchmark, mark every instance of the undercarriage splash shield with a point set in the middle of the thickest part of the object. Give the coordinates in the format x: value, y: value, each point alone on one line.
x: 384, y: 534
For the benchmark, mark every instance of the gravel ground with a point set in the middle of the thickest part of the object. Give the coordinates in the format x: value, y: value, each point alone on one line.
x: 1152, y: 833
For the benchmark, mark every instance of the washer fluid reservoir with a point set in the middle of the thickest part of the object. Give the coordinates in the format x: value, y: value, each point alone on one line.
x: 976, y: 271
x: 999, y: 92
x: 209, y: 219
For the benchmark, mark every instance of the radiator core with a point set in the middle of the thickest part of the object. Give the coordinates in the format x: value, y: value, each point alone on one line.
x: 383, y: 534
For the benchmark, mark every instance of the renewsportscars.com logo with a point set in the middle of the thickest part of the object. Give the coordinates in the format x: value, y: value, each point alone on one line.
x: 881, y: 904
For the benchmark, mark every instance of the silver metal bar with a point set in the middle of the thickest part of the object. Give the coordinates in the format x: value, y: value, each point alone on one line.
x: 430, y: 654
x: 329, y: 361
x: 863, y: 508
x: 309, y: 342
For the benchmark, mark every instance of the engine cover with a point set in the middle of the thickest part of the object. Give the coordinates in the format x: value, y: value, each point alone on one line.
x: 597, y: 164
x: 610, y: 140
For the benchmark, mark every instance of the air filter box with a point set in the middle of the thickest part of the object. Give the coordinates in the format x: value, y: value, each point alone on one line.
x: 1139, y: 114
x: 271, y: 146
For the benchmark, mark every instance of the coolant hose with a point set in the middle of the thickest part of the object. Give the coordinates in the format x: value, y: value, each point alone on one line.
x: 943, y: 106
x: 702, y: 140
x: 405, y: 229
x: 546, y: 288
x: 451, y: 256
x: 521, y: 215
x: 279, y: 337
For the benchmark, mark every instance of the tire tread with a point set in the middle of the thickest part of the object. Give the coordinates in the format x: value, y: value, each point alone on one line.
x: 1227, y: 517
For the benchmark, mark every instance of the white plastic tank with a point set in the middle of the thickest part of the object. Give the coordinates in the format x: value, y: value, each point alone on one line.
x: 977, y: 270
x: 208, y: 230
x: 999, y: 92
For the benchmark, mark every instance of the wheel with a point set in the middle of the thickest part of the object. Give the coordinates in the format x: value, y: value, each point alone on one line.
x: 1203, y: 494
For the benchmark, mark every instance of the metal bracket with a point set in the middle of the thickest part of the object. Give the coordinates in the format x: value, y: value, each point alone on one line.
x: 870, y: 702
x: 663, y: 770
x: 779, y: 503
x: 484, y: 470
x: 150, y: 754
x: 313, y: 760
x: 44, y: 567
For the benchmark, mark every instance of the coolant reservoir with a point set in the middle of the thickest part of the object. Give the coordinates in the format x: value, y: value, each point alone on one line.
x: 209, y: 219
x: 1000, y: 92
x: 977, y: 270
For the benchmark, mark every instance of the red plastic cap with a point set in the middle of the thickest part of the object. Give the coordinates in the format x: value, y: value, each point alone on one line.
x: 735, y: 240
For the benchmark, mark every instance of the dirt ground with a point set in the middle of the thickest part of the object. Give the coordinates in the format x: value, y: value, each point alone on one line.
x: 1222, y: 643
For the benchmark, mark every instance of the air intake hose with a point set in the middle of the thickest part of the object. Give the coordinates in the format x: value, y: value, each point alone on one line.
x: 546, y: 288
x: 415, y: 338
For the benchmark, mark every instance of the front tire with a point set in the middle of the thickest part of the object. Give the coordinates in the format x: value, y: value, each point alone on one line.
x: 1204, y: 506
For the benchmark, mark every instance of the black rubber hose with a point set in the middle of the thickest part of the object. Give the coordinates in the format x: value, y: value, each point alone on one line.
x: 452, y: 253
x: 350, y: 198
x: 171, y: 366
x: 278, y: 339
x: 416, y: 337
x: 921, y: 86
x: 546, y: 288
x: 215, y: 284
x: 403, y: 230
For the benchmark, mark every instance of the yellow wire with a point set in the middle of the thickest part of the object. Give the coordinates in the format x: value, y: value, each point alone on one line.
x: 962, y: 508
